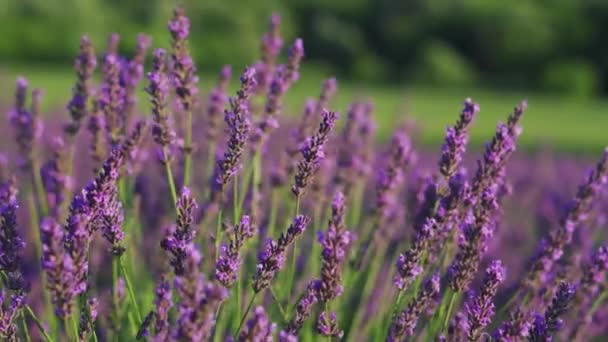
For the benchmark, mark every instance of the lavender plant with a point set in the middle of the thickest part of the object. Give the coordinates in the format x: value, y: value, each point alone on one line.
x: 381, y: 242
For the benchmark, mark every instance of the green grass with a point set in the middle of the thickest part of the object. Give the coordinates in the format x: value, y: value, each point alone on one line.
x: 561, y: 123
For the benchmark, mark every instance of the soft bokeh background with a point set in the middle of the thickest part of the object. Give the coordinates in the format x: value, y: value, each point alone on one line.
x: 416, y: 59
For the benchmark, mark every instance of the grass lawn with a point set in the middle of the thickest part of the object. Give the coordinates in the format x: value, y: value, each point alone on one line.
x: 562, y: 123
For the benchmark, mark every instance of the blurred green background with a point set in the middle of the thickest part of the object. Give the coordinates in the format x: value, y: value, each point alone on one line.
x: 420, y: 57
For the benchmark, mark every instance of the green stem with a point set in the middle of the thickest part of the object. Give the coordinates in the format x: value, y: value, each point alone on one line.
x: 238, y: 296
x: 38, y: 323
x: 218, y: 234
x: 26, y: 331
x: 188, y: 157
x: 448, y: 314
x: 170, y: 175
x: 244, y: 317
x: 115, y: 294
x: 276, y: 300
x: 131, y: 293
x: 74, y: 320
x: 66, y: 325
x: 44, y: 209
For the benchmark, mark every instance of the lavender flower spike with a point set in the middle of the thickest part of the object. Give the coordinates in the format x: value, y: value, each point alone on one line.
x: 238, y: 121
x: 216, y: 101
x: 552, y: 249
x: 335, y: 245
x: 515, y: 328
x: 328, y: 326
x: 593, y: 275
x: 111, y: 100
x: 480, y: 308
x: 303, y: 309
x: 134, y: 72
x: 8, y: 315
x: 163, y: 304
x: 312, y: 153
x: 403, y: 324
x: 184, y: 72
x: 545, y: 326
x: 183, y: 234
x: 158, y: 89
x: 258, y: 328
x: 84, y: 65
x: 54, y: 177
x: 473, y: 242
x: 456, y: 139
x: 409, y: 264
x: 272, y: 258
x: 228, y: 264
x: 11, y: 246
x: 24, y: 123
x: 270, y: 48
x: 391, y: 176
x: 199, y: 300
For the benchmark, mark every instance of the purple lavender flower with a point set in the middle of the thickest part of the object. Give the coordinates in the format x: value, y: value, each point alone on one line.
x: 403, y: 324
x: 593, y: 276
x: 58, y: 266
x: 258, y: 328
x: 229, y: 263
x: 96, y: 127
x: 162, y: 304
x: 11, y: 247
x: 238, y: 122
x: 311, y: 110
x: 409, y: 264
x: 199, y: 299
x: 284, y: 77
x: 390, y: 177
x: 303, y: 309
x: 88, y: 316
x: 496, y: 154
x: 183, y: 68
x: 287, y: 337
x: 270, y: 49
x: 456, y: 139
x: 84, y: 65
x: 352, y: 144
x: 8, y: 314
x: 328, y: 326
x: 25, y: 125
x: 480, y: 308
x: 551, y: 250
x: 133, y: 72
x: 544, y: 326
x: 111, y: 218
x: 177, y: 241
x: 111, y: 100
x: 335, y: 245
x: 515, y: 328
x: 312, y: 153
x: 216, y: 101
x: 76, y: 245
x: 272, y: 258
x: 473, y: 242
x: 54, y: 177
x: 158, y: 88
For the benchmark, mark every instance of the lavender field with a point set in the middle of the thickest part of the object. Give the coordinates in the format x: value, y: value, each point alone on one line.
x: 227, y: 213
